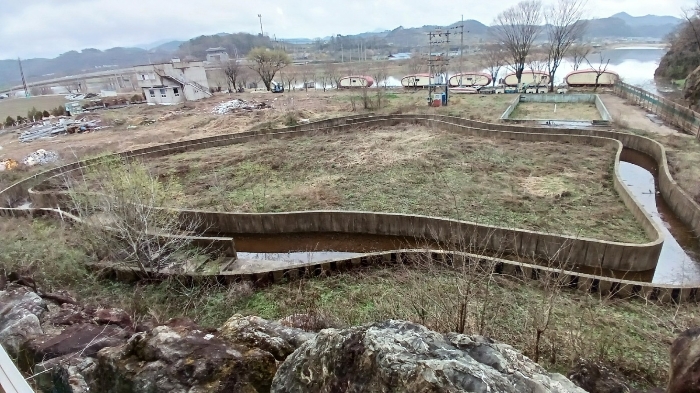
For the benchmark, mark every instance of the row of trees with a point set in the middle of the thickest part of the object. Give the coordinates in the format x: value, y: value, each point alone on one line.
x: 517, y: 28
x: 268, y: 63
x: 34, y: 115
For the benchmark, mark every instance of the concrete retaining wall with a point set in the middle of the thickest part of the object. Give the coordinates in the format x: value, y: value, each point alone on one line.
x: 605, y: 117
x: 617, y: 256
x: 556, y: 249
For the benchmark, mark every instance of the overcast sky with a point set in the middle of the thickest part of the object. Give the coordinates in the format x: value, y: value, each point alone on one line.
x: 46, y: 28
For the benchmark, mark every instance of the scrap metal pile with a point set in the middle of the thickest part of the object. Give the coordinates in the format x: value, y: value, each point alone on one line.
x: 237, y: 104
x: 63, y: 126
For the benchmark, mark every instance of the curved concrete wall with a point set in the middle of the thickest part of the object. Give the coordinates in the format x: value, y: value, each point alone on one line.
x: 594, y: 253
x: 552, y: 248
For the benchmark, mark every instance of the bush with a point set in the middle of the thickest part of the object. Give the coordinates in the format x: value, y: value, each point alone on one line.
x: 120, y: 205
x: 9, y: 122
x: 136, y: 98
x: 58, y: 111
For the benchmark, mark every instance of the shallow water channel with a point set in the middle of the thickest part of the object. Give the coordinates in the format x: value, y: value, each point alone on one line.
x: 679, y: 262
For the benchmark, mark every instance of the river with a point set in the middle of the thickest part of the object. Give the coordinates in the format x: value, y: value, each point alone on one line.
x: 635, y: 65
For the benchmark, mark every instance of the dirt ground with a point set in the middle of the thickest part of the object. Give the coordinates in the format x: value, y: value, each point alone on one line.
x: 143, y: 125
x: 559, y: 111
x: 634, y: 117
x: 139, y: 126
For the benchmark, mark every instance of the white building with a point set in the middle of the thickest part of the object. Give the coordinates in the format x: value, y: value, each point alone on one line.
x: 217, y: 55
x: 174, y: 82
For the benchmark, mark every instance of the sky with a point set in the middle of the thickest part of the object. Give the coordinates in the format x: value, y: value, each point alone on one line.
x: 47, y: 28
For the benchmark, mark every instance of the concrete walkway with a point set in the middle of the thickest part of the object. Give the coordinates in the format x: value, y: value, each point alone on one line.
x: 634, y: 117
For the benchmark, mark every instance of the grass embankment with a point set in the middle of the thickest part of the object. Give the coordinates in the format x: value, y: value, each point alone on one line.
x: 629, y: 335
x: 548, y: 187
x: 559, y: 111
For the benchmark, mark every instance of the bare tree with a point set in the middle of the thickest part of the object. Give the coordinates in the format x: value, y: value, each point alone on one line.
x: 232, y: 70
x: 380, y: 73
x: 517, y: 28
x: 564, y: 26
x: 120, y: 204
x: 416, y: 64
x: 244, y: 77
x: 267, y: 63
x: 492, y: 59
x: 333, y: 74
x: 691, y: 17
x: 599, y: 70
x: 289, y: 77
x: 308, y: 76
x: 537, y: 62
x: 578, y: 54
x: 325, y: 80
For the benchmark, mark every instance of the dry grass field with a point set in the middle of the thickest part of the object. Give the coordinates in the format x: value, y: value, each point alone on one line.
x: 560, y: 111
x: 416, y: 170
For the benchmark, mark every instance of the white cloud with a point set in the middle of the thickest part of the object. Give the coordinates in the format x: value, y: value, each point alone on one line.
x: 46, y: 28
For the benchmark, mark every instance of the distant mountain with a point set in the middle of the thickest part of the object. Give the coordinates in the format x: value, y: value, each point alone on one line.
x: 73, y: 62
x: 625, y: 26
x: 170, y: 46
x: 647, y: 20
x: 155, y: 44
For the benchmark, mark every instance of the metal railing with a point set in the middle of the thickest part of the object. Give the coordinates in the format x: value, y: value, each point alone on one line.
x: 671, y: 112
x: 11, y: 380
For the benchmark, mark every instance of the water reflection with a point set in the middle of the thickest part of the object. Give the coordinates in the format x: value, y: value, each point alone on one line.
x: 636, y: 66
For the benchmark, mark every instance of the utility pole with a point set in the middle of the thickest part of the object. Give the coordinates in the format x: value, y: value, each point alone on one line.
x: 461, y: 51
x: 261, y: 29
x: 438, y: 64
x: 24, y: 81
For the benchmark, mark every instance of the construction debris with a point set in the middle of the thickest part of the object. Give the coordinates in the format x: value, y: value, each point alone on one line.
x: 40, y: 157
x: 8, y: 165
x: 63, y: 126
x: 237, y: 104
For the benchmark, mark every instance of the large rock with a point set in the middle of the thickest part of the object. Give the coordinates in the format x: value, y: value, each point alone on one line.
x: 182, y: 360
x: 81, y: 339
x: 594, y: 377
x: 66, y: 374
x: 397, y: 356
x: 685, y: 363
x: 20, y: 314
x: 269, y: 336
x: 691, y: 91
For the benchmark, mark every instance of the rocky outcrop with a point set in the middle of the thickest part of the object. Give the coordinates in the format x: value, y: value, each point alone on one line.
x: 691, y: 91
x: 397, y: 356
x: 20, y: 313
x: 257, y: 332
x: 67, y: 374
x: 83, y: 340
x: 178, y: 359
x: 596, y: 378
x: 685, y: 363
